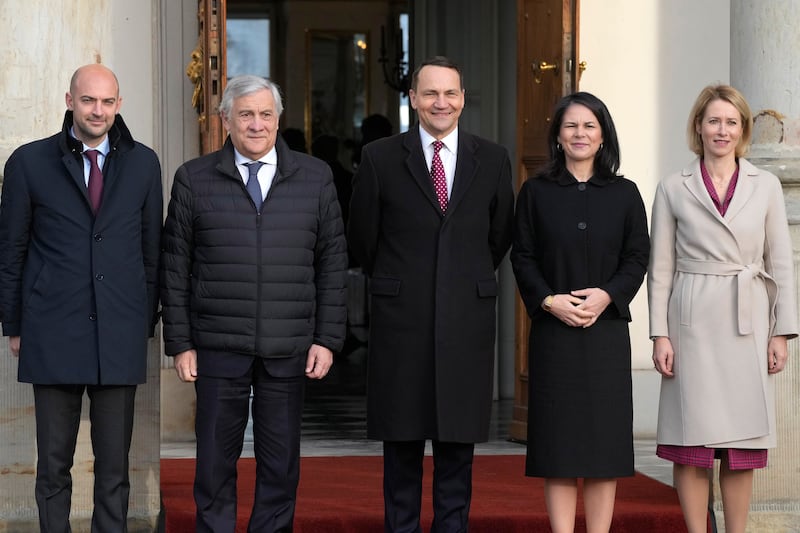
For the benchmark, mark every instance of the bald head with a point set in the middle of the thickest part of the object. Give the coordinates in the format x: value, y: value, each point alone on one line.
x: 92, y: 70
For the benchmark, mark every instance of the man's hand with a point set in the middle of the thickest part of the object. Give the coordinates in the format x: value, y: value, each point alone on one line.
x: 319, y: 361
x: 13, y: 345
x: 186, y: 365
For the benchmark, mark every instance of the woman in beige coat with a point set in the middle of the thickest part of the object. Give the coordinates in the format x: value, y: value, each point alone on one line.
x: 722, y: 306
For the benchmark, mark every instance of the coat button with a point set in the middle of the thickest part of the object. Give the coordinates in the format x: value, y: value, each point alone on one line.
x: 581, y: 225
x: 93, y: 317
x: 581, y: 186
x: 99, y: 277
x: 98, y: 237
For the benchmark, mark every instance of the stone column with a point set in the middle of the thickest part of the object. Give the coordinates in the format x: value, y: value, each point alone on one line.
x: 764, y: 39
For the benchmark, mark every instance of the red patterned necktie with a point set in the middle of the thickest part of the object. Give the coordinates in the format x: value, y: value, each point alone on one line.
x: 95, y: 185
x: 437, y: 175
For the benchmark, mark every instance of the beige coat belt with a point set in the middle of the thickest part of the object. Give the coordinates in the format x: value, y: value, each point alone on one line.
x: 745, y: 274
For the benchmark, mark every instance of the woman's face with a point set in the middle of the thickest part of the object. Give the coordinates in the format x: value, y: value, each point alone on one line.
x: 580, y: 135
x: 721, y: 129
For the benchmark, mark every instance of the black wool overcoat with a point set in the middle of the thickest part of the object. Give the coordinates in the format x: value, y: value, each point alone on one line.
x: 432, y: 285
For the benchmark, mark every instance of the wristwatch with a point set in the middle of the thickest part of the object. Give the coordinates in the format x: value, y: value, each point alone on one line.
x: 547, y: 303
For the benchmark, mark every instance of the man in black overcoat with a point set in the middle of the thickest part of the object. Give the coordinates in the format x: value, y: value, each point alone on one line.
x: 430, y: 221
x: 80, y: 230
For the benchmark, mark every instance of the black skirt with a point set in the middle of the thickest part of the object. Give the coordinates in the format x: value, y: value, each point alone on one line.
x: 580, y: 407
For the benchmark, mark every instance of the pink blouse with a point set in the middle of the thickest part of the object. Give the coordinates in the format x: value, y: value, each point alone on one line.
x: 722, y: 207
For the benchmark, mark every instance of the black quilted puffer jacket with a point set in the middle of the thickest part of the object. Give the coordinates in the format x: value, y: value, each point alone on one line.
x: 236, y: 281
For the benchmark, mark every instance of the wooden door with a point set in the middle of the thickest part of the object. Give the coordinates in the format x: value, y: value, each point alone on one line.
x: 546, y: 59
x: 207, y: 71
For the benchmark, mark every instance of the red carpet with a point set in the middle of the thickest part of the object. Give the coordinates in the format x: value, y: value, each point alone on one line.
x: 344, y: 495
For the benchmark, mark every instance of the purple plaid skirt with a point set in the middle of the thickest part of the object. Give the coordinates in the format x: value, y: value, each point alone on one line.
x: 702, y: 457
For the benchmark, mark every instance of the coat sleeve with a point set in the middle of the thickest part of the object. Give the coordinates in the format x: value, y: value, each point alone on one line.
x: 779, y: 263
x: 524, y: 254
x: 330, y: 266
x: 15, y: 226
x: 633, y: 256
x: 176, y: 267
x: 502, y: 214
x: 152, y: 217
x: 662, y: 262
x: 365, y: 213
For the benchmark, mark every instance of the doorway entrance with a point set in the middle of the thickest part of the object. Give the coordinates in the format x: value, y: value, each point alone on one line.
x: 547, y: 50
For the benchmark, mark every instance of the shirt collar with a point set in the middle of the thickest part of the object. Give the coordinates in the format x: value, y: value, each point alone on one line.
x: 103, y: 147
x: 270, y: 158
x: 451, y: 141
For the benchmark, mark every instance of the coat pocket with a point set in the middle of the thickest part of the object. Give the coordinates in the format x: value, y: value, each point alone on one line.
x: 384, y: 286
x: 487, y: 288
x: 686, y: 301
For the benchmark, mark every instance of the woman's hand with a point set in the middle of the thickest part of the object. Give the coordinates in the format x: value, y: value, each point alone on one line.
x: 594, y: 300
x: 567, y: 308
x: 663, y: 356
x: 777, y: 354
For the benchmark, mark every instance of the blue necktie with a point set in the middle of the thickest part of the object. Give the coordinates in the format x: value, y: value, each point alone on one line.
x: 253, y: 187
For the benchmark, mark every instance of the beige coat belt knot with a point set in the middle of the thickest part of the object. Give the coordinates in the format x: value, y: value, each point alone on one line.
x: 745, y: 274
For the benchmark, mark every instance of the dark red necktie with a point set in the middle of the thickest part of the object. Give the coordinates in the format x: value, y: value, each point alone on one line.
x: 95, y: 180
x: 437, y: 175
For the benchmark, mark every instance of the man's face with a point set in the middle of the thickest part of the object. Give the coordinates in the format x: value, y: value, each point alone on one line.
x: 253, y: 123
x: 94, y: 101
x: 438, y: 99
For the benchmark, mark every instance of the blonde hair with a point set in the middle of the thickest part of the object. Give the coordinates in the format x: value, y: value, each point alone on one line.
x: 728, y: 94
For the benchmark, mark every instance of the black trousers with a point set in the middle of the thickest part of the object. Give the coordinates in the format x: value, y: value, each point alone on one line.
x: 222, y: 415
x: 58, y: 414
x: 402, y: 486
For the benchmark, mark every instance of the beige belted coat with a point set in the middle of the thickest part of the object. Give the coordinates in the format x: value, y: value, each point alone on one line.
x: 719, y: 288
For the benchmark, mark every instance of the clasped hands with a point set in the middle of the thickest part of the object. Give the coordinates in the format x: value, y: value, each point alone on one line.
x: 580, y: 308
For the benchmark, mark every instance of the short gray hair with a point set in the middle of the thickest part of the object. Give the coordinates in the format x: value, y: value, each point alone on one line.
x: 248, y: 84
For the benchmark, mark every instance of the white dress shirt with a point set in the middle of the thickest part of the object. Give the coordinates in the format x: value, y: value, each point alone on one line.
x: 265, y: 174
x: 103, y: 148
x: 447, y: 154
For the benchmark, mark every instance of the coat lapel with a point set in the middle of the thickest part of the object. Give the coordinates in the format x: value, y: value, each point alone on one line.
x: 744, y: 188
x: 694, y: 182
x: 418, y: 168
x: 466, y: 168
x: 75, y: 170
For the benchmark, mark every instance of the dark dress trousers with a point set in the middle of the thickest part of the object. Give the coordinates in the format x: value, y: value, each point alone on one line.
x: 81, y: 292
x: 433, y: 294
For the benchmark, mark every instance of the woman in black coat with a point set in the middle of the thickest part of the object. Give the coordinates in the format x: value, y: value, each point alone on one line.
x: 580, y: 253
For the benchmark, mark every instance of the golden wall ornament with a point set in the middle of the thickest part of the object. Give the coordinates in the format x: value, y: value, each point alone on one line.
x: 194, y: 71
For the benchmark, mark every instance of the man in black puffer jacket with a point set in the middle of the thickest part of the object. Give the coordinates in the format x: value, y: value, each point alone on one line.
x: 253, y: 274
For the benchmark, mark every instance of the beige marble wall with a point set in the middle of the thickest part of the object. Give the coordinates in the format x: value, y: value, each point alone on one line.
x: 42, y: 43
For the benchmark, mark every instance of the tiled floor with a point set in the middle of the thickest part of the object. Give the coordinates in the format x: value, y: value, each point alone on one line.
x: 334, y: 423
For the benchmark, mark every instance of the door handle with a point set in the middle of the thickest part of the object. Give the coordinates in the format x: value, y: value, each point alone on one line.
x: 539, y: 67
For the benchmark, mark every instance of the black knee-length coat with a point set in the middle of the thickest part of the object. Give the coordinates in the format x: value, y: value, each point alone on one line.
x: 568, y: 236
x: 432, y: 286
